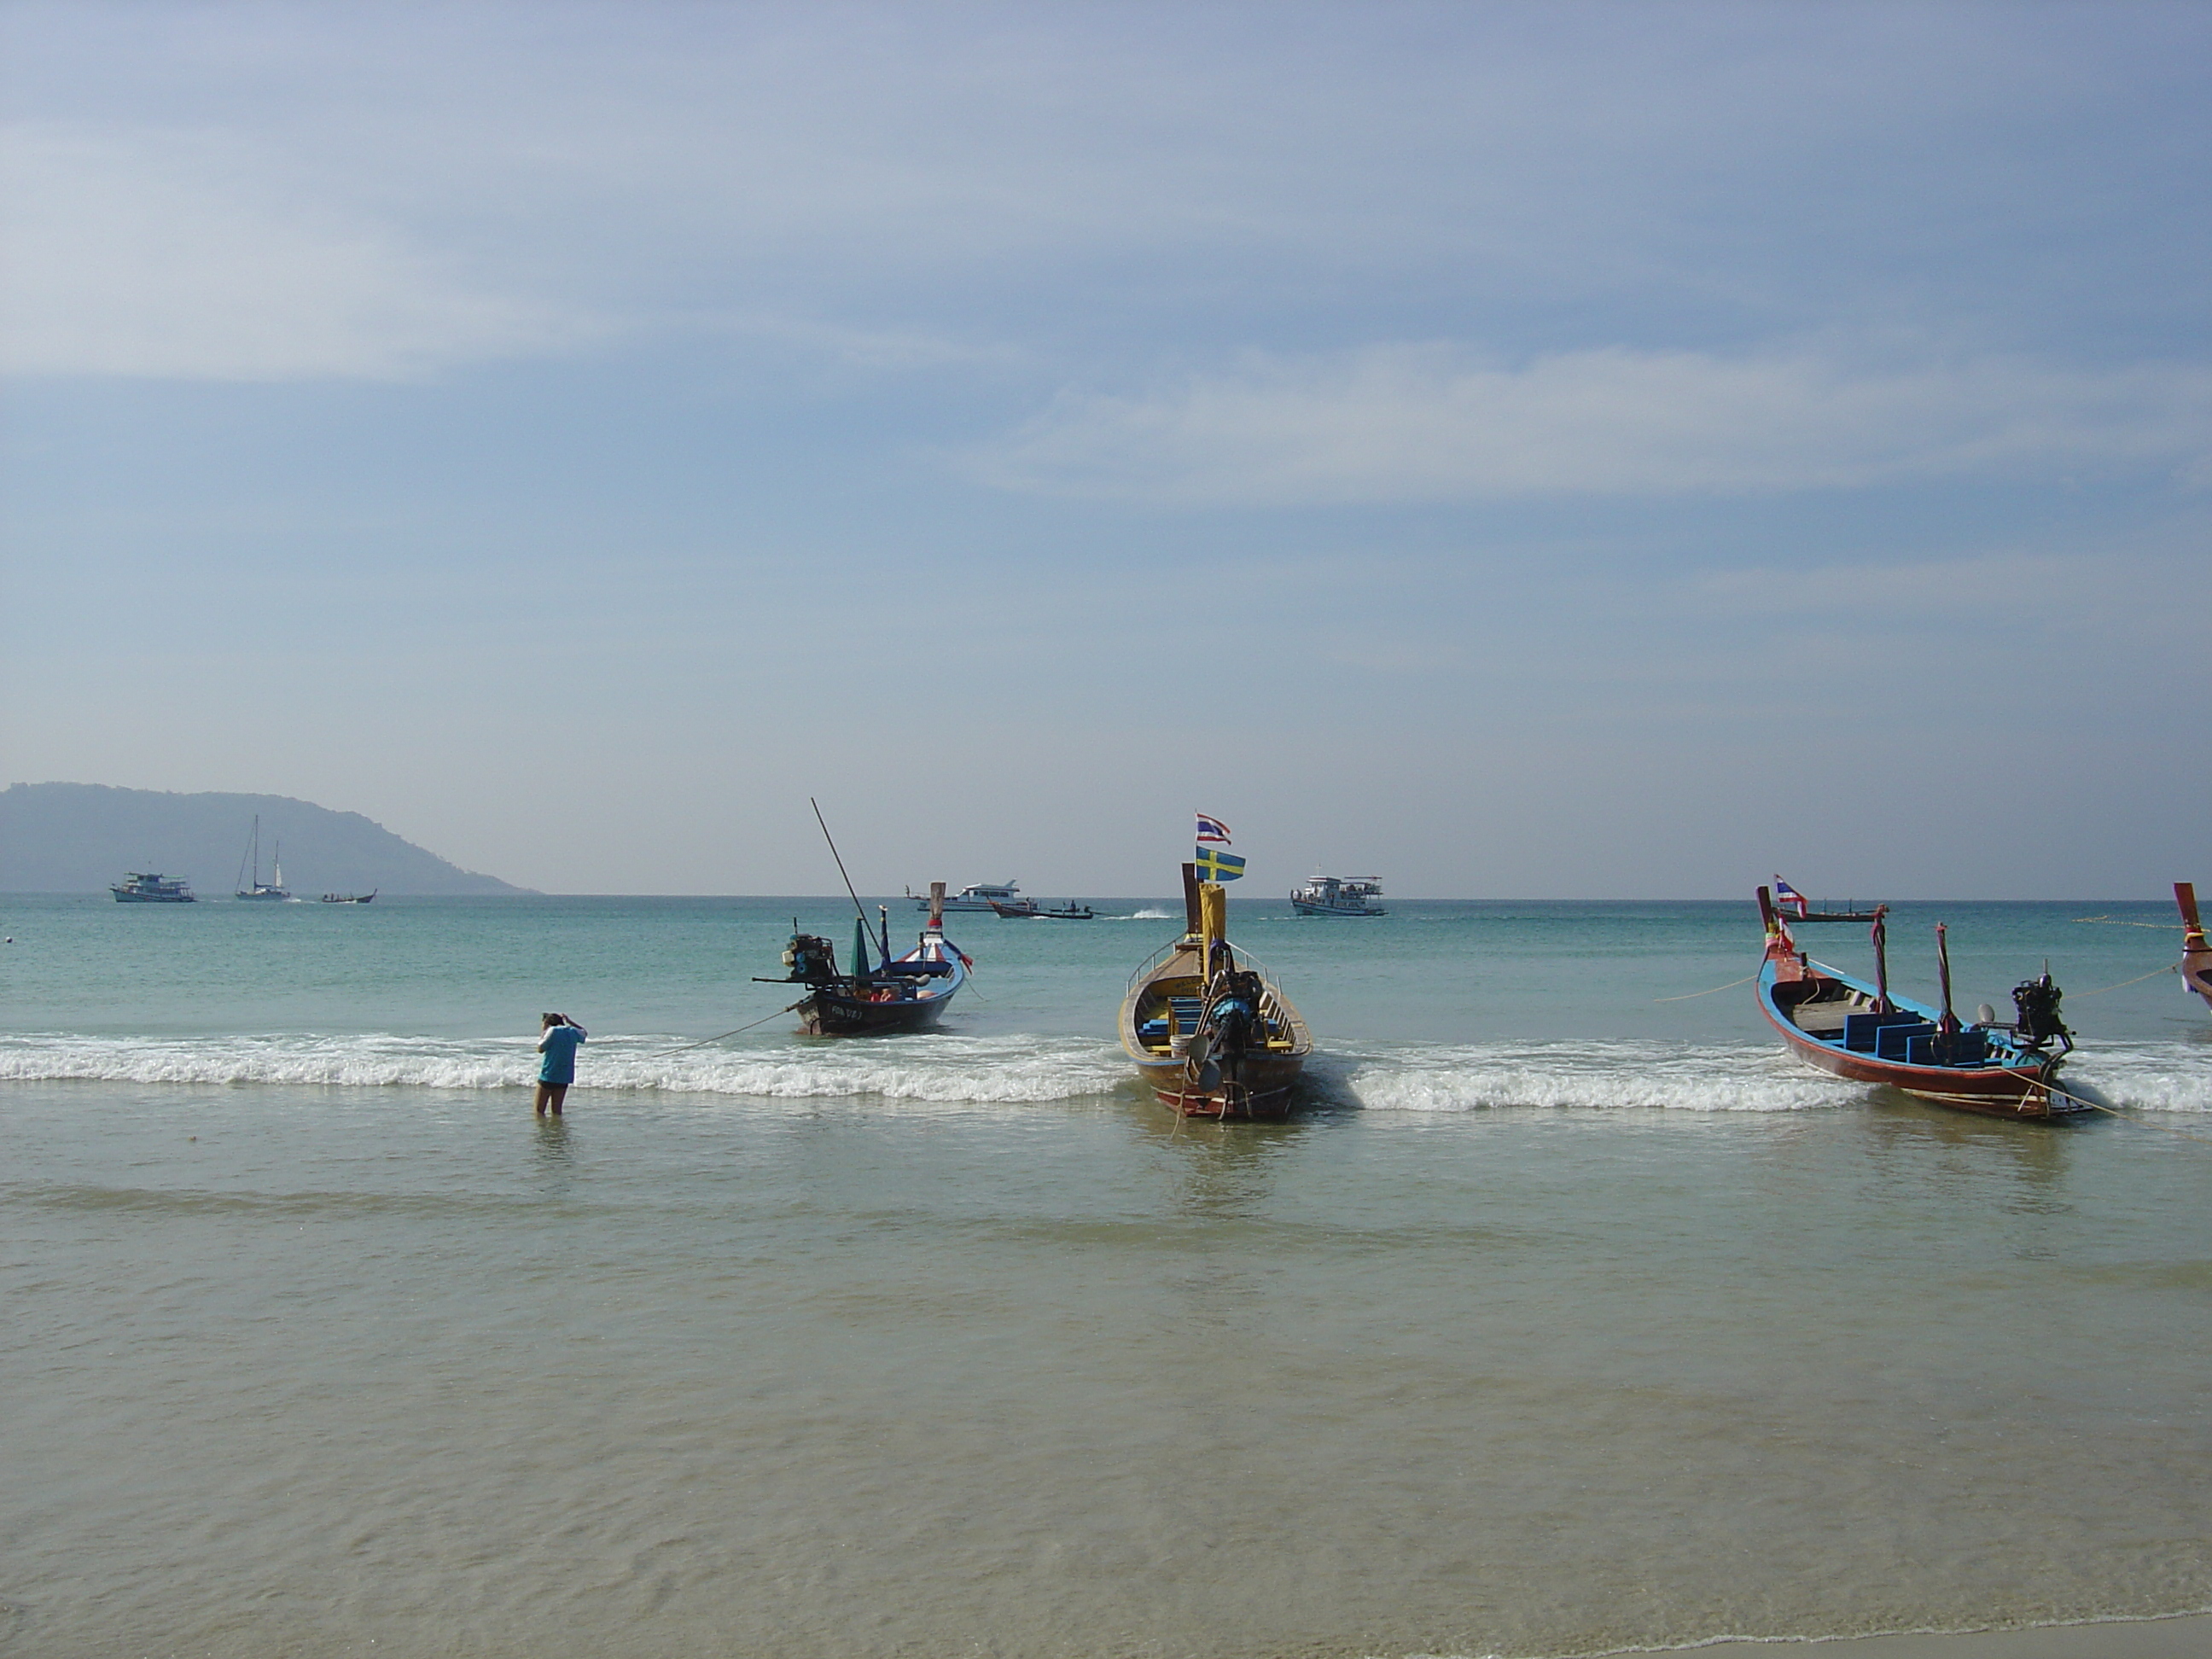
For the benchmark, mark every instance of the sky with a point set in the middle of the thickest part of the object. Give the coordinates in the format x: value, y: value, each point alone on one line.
x: 1517, y: 450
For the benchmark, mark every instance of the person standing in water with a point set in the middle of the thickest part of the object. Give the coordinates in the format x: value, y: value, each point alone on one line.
x: 562, y: 1038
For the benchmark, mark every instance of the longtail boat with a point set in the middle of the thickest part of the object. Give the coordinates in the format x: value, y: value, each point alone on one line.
x: 907, y: 992
x: 2195, y: 954
x: 1854, y: 1029
x: 1211, y: 1033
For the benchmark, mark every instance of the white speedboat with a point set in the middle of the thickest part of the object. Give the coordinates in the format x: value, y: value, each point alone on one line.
x: 977, y: 896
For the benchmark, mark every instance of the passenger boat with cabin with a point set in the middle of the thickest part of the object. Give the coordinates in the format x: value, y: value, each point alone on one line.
x: 908, y: 993
x: 1213, y: 1034
x: 1338, y: 895
x: 1850, y: 1028
x: 975, y: 896
x: 152, y: 887
x: 2195, y: 954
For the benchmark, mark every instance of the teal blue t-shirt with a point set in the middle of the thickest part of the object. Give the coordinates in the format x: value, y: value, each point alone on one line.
x: 559, y: 1044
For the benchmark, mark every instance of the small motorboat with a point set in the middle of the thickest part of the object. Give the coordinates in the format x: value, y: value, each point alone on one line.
x: 2195, y: 954
x: 352, y: 898
x: 1211, y: 1033
x: 1031, y: 910
x: 1854, y: 1029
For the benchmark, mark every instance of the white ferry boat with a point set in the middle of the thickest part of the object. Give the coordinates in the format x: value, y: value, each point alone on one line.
x: 977, y: 896
x: 1338, y: 895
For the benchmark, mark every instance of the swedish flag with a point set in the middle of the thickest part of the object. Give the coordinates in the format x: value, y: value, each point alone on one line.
x: 1214, y: 865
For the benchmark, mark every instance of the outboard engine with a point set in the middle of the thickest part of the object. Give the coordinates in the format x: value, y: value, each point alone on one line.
x: 811, y: 959
x: 1236, y: 1015
x: 2038, y: 1001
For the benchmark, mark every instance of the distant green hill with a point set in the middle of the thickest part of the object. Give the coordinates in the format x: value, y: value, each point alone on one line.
x: 80, y: 838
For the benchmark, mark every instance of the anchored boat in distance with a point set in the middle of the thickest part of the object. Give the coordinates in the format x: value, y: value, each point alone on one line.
x: 258, y: 889
x: 976, y: 895
x: 1338, y: 895
x: 151, y: 887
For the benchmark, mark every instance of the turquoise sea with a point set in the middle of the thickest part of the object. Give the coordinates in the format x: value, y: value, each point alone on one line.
x: 1568, y: 1316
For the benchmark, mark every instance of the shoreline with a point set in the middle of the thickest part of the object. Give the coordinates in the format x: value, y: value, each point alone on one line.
x: 2155, y: 1636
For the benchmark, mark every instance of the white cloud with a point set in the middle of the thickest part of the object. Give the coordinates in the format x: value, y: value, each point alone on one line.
x: 1432, y: 423
x: 135, y: 251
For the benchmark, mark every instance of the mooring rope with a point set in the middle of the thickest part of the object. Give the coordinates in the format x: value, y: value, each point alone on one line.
x: 1731, y: 986
x: 703, y: 1041
x: 2116, y: 921
x: 2170, y: 968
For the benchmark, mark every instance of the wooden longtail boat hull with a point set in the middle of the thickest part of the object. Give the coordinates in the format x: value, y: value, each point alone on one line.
x: 834, y: 1012
x: 883, y: 1001
x: 1835, y: 1022
x: 1259, y: 1083
x: 2024, y: 1088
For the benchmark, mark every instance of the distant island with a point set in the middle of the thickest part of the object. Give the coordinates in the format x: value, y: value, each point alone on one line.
x: 79, y: 837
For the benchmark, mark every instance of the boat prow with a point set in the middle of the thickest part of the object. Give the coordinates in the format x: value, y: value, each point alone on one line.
x: 2195, y: 954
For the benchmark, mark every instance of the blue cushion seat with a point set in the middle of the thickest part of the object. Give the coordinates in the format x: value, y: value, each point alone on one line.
x: 1889, y: 1042
x: 1859, y: 1029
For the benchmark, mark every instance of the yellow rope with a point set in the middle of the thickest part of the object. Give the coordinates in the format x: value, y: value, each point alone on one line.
x: 2170, y: 968
x: 1731, y: 986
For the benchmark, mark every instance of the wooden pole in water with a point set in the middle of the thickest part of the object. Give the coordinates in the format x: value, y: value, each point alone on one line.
x: 1882, y: 1005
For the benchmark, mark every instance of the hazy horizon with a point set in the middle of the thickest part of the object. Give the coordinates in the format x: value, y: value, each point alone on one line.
x: 1522, y: 451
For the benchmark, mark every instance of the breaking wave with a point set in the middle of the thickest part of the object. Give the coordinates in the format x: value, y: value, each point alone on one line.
x: 1432, y: 1078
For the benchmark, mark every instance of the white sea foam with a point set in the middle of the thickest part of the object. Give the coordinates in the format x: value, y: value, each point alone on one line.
x: 1585, y: 1076
x: 928, y: 1068
x: 1432, y: 1078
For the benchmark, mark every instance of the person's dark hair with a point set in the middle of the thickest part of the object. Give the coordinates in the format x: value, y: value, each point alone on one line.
x: 553, y: 1019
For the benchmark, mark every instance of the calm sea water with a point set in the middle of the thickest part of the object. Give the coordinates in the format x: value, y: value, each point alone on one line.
x: 1563, y: 1319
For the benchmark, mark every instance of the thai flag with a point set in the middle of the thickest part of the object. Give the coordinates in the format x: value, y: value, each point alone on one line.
x: 1784, y: 893
x: 1218, y: 867
x: 1213, y: 830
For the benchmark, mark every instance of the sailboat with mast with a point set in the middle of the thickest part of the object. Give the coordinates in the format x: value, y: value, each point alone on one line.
x: 274, y: 889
